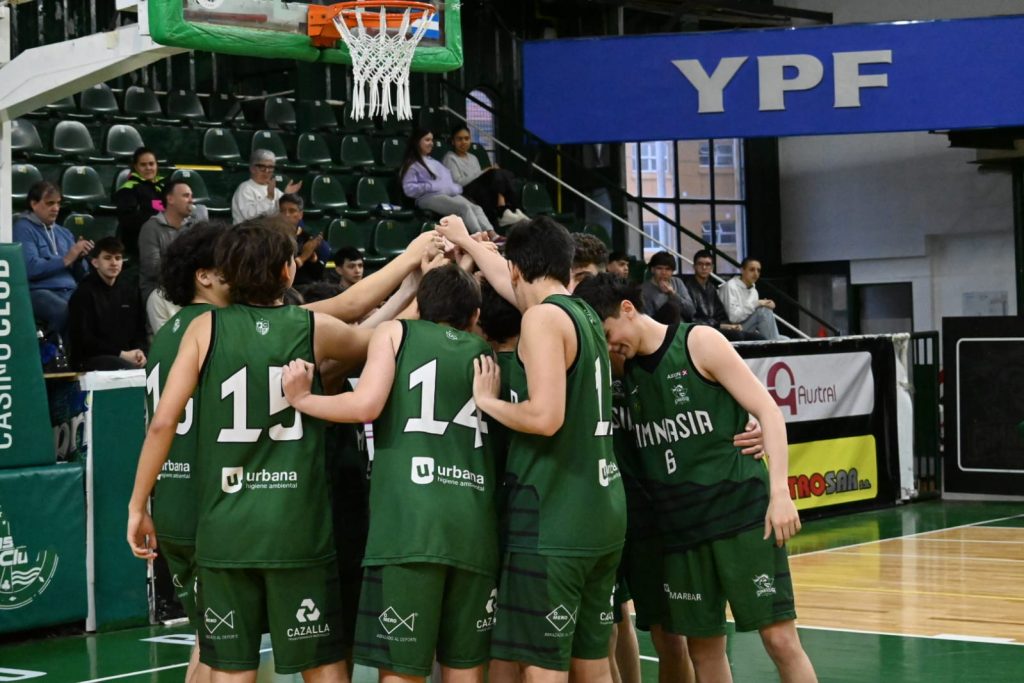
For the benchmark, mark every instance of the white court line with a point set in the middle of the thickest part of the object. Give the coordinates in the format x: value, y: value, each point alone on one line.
x: 958, y: 540
x: 148, y: 671
x: 931, y: 557
x: 941, y: 636
x: 892, y: 538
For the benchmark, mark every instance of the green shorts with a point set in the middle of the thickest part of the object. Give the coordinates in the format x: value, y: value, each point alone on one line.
x: 642, y: 568
x: 554, y: 609
x: 181, y: 562
x: 752, y: 574
x: 409, y: 612
x: 301, y: 607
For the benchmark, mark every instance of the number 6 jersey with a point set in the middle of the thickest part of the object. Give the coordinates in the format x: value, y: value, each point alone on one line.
x: 263, y: 489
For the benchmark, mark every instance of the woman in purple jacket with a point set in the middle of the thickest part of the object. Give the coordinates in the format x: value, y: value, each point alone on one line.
x: 426, y: 180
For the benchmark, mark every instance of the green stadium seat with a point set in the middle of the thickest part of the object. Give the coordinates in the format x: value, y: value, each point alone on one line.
x: 311, y: 151
x: 90, y: 227
x: 271, y: 140
x: 185, y: 106
x: 200, y: 193
x: 391, y: 238
x: 26, y: 143
x: 317, y: 115
x: 279, y: 113
x: 220, y: 147
x: 23, y: 177
x: 358, y: 234
x: 349, y: 125
x: 141, y: 103
x: 392, y: 125
x: 372, y: 195
x: 537, y: 202
x: 598, y: 231
x: 356, y: 152
x: 99, y: 101
x: 441, y: 147
x: 63, y: 107
x: 82, y: 187
x: 122, y: 141
x: 328, y: 195
x: 392, y: 151
x: 435, y: 120
x: 72, y: 140
x: 481, y: 155
x: 224, y: 110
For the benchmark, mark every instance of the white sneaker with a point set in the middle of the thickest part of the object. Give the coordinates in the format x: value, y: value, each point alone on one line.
x: 509, y: 218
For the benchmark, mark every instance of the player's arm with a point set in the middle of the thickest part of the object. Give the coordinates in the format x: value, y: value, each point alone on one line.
x: 181, y: 384
x: 340, y: 342
x: 359, y: 299
x: 716, y: 359
x: 371, y: 393
x: 398, y: 302
x: 547, y: 346
x: 492, y: 264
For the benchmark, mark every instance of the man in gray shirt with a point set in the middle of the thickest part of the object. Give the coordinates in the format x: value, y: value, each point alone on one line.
x: 161, y: 230
x: 665, y: 291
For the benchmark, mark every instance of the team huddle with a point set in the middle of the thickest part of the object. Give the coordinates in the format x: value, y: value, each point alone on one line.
x: 528, y: 475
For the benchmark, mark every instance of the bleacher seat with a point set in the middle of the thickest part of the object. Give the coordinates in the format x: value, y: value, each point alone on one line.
x: 441, y: 147
x: 435, y: 120
x: 358, y: 234
x: 270, y: 140
x: 537, y: 202
x: 122, y: 141
x: 392, y: 150
x: 317, y: 116
x: 99, y: 101
x: 200, y: 193
x: 90, y: 227
x: 311, y: 151
x: 224, y: 109
x: 23, y: 177
x: 372, y: 195
x: 220, y: 147
x: 72, y: 140
x: 356, y: 152
x: 598, y: 231
x: 81, y: 187
x: 350, y: 125
x: 185, y: 105
x: 392, y: 126
x: 279, y: 113
x: 141, y: 103
x: 326, y: 194
x: 25, y: 141
x: 391, y: 237
x: 63, y: 107
x: 481, y: 155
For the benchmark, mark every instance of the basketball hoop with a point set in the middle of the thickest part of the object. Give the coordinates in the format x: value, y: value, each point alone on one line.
x: 381, y: 44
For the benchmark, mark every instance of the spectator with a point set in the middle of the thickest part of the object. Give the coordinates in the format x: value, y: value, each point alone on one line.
x: 348, y: 267
x: 313, y: 249
x: 106, y: 321
x: 491, y: 188
x: 710, y: 309
x: 426, y: 180
x: 664, y: 288
x: 139, y: 198
x: 590, y: 257
x: 54, y: 260
x: 258, y: 196
x: 744, y: 306
x: 159, y: 231
x: 618, y: 264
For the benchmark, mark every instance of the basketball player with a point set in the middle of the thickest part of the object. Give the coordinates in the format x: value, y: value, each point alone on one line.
x: 431, y: 556
x: 263, y: 543
x: 688, y: 392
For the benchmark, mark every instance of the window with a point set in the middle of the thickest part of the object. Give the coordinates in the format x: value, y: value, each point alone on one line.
x: 649, y: 153
x: 726, y: 232
x: 724, y: 153
x: 481, y: 122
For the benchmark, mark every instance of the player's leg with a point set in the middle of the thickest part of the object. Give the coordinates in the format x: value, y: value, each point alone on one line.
x: 597, y: 607
x: 233, y: 607
x: 181, y: 563
x: 626, y: 650
x: 503, y: 671
x: 696, y: 608
x: 674, y: 665
x: 783, y: 645
x: 710, y: 663
x: 467, y: 618
x: 613, y: 665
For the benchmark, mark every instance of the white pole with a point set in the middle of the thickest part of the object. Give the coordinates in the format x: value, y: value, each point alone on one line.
x: 6, y: 210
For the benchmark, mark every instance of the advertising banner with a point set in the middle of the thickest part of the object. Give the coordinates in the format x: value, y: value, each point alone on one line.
x: 818, y: 387
x: 833, y: 471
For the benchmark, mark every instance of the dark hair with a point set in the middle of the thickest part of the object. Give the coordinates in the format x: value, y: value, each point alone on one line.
x: 251, y: 256
x: 170, y: 186
x: 605, y: 293
x: 541, y: 248
x: 291, y: 198
x: 448, y: 294
x: 703, y: 253
x: 662, y: 258
x: 458, y: 129
x: 141, y: 152
x: 109, y: 244
x: 293, y: 297
x: 318, y: 291
x: 347, y: 253
x: 194, y: 249
x: 412, y: 152
x: 589, y: 249
x: 40, y: 190
x: 744, y: 262
x: 618, y: 256
x: 499, y: 319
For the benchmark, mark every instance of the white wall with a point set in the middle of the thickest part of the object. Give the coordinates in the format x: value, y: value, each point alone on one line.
x: 901, y: 207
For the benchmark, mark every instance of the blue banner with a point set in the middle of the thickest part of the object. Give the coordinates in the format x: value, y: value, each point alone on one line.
x: 872, y: 78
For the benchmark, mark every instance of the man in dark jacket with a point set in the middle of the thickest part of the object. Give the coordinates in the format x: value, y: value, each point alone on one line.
x: 710, y: 309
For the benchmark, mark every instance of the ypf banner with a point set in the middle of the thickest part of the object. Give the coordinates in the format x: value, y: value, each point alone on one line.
x: 751, y: 83
x: 818, y: 387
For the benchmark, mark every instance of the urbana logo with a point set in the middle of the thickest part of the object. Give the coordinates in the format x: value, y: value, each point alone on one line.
x: 214, y: 621
x: 263, y: 326
x: 231, y: 479
x: 679, y: 391
x: 607, y: 472
x: 177, y: 325
x: 22, y: 580
x: 764, y: 584
x: 391, y: 621
x: 451, y: 335
x: 422, y: 470
x: 561, y: 617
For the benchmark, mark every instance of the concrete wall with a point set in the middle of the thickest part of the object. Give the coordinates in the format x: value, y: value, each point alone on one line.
x: 901, y: 207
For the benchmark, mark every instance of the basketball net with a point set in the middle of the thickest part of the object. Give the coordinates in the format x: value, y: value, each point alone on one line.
x: 380, y: 60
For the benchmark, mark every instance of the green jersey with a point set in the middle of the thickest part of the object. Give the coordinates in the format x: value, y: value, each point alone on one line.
x: 641, y: 521
x: 348, y: 474
x: 174, y: 499
x: 703, y: 488
x: 262, y: 477
x: 433, y: 482
x: 565, y: 494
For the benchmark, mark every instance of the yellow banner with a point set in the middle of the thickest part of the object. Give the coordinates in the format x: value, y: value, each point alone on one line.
x: 832, y: 471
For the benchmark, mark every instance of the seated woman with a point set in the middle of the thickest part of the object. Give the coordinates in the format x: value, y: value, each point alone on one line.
x: 138, y: 199
x: 489, y: 187
x: 427, y: 181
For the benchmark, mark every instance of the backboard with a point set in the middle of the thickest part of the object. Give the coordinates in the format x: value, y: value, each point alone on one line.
x: 277, y: 29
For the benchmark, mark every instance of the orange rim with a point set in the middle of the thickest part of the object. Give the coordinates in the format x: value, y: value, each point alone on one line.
x: 371, y: 20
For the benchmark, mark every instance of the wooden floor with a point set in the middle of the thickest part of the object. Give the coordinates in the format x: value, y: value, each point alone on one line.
x: 930, y: 592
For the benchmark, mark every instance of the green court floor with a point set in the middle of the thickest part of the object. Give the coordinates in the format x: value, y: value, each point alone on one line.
x: 157, y: 654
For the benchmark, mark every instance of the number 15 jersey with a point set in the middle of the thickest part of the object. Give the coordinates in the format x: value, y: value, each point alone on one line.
x: 263, y: 489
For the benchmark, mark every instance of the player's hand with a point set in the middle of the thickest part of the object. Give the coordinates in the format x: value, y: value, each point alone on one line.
x: 428, y: 243
x: 454, y: 229
x: 428, y: 264
x: 297, y: 381
x: 486, y: 379
x: 141, y: 535
x: 751, y: 440
x: 782, y: 518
